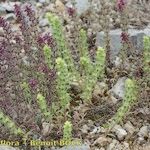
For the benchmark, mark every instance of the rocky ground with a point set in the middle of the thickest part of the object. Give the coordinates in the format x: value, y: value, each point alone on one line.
x: 134, y: 132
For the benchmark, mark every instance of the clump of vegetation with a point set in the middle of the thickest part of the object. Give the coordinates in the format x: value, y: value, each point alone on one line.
x: 6, y: 121
x: 128, y: 101
x: 146, y: 60
x: 67, y: 131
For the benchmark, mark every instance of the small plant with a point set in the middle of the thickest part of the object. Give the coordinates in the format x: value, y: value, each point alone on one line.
x: 63, y: 80
x: 67, y: 130
x: 48, y: 54
x: 63, y: 51
x: 26, y: 92
x: 43, y: 106
x: 7, y: 122
x: 146, y: 60
x: 122, y: 7
x: 128, y: 101
x: 94, y: 71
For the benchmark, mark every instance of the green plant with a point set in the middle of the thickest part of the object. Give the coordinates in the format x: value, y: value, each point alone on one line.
x: 93, y: 71
x: 7, y: 122
x: 67, y: 130
x: 63, y: 80
x: 48, y: 55
x: 128, y: 101
x: 146, y: 60
x: 63, y: 51
x: 26, y: 92
x: 43, y: 107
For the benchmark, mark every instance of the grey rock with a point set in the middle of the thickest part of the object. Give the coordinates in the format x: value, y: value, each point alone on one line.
x: 81, y: 6
x: 42, y: 1
x: 143, y: 131
x: 9, y: 7
x: 147, y: 31
x: 43, y: 22
x: 136, y: 37
x: 129, y: 128
x: 7, y: 148
x: 2, y: 10
x: 120, y: 132
x: 10, y: 17
x: 119, y: 88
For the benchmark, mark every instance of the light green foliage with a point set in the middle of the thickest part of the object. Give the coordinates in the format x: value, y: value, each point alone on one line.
x: 128, y: 101
x: 83, y: 46
x: 26, y: 92
x: 43, y: 106
x: 4, y: 120
x: 63, y: 80
x: 99, y: 69
x: 85, y: 62
x: 147, y: 57
x: 47, y: 54
x: 93, y: 72
x: 63, y: 51
x: 67, y: 131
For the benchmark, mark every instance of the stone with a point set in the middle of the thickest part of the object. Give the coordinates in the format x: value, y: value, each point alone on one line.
x: 81, y: 6
x: 119, y: 88
x: 10, y: 17
x: 99, y: 89
x: 143, y: 131
x: 129, y: 128
x: 120, y: 132
x: 112, y: 145
x: 60, y: 6
x: 9, y: 6
x: 43, y: 22
x: 102, y: 141
x: 2, y: 10
x: 42, y: 1
x: 46, y: 128
x: 95, y: 130
x: 7, y: 148
x: 147, y: 31
x: 85, y: 129
x: 136, y: 37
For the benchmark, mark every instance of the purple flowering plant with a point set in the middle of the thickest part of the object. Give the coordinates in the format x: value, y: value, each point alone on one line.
x: 23, y: 71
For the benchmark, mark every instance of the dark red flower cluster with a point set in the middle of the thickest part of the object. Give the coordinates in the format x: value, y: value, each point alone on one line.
x: 71, y: 11
x: 46, y: 39
x: 33, y: 83
x: 121, y: 4
x: 124, y: 37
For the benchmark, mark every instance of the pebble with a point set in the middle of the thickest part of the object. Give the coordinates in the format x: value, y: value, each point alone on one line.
x: 10, y: 17
x: 85, y: 129
x: 129, y: 127
x: 43, y: 22
x: 102, y: 141
x: 2, y: 10
x: 143, y: 131
x: 119, y: 88
x: 120, y: 132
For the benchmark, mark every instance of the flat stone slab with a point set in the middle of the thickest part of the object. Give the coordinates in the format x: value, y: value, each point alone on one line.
x: 136, y: 37
x: 119, y: 88
x: 81, y: 6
